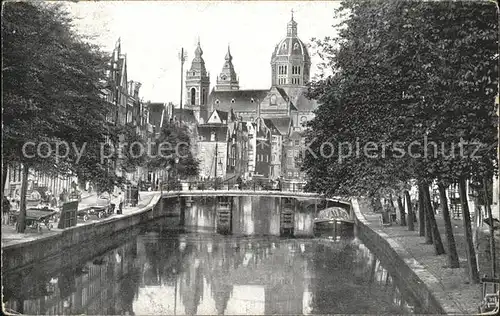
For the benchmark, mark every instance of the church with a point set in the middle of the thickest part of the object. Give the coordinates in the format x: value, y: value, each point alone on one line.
x: 283, y: 105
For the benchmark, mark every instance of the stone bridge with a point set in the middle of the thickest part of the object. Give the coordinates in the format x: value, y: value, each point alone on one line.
x: 324, y: 210
x: 338, y: 201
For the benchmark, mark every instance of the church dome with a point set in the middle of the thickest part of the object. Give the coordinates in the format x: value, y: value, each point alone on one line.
x: 290, y: 61
x: 291, y: 45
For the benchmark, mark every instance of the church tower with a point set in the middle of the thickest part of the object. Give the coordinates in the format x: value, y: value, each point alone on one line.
x: 290, y: 62
x: 227, y: 79
x: 197, y: 86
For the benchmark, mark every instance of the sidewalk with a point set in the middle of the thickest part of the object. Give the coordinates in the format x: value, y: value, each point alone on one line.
x: 10, y: 236
x: 452, y: 287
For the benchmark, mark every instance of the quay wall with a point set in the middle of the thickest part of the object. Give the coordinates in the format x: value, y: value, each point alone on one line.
x: 398, y: 262
x: 91, y: 238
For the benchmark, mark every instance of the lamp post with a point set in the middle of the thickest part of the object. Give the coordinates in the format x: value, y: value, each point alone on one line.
x: 182, y: 57
x: 215, y: 161
x: 176, y: 161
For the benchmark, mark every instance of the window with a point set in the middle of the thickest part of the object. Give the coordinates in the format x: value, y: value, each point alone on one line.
x: 203, y: 96
x: 284, y: 46
x: 193, y: 96
x: 251, y: 100
x: 217, y: 101
x: 303, y: 119
x: 296, y: 46
x: 232, y: 100
x: 273, y: 99
x: 297, y: 142
x: 282, y: 70
x: 212, y: 137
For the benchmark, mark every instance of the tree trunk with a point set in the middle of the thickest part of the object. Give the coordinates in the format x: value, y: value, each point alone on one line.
x: 21, y: 220
x: 452, y: 248
x: 492, y: 231
x: 421, y: 214
x: 373, y: 265
x: 425, y: 221
x: 5, y: 168
x: 436, y: 236
x: 476, y: 228
x: 411, y: 215
x: 402, y: 211
x: 469, y: 247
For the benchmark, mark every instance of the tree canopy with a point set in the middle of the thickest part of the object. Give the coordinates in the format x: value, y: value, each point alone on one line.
x: 406, y: 74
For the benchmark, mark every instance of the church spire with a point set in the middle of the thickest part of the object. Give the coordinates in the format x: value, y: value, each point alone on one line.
x: 227, y: 80
x: 228, y: 54
x: 197, y: 85
x: 291, y: 30
x: 198, y: 52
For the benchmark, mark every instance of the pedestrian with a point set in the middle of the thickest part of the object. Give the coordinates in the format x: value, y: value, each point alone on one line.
x: 53, y: 202
x: 5, y: 210
x: 239, y: 181
x: 120, y: 202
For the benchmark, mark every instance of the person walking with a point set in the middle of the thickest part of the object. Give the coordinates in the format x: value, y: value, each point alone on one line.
x: 120, y: 202
x: 240, y: 182
x: 5, y: 210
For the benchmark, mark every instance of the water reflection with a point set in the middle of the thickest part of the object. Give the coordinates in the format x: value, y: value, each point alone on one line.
x: 251, y: 215
x: 162, y: 272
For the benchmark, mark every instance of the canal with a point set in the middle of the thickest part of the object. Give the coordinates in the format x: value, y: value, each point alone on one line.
x: 175, y: 266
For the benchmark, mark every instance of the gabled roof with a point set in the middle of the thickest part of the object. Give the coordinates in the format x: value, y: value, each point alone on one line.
x: 187, y: 115
x: 222, y: 116
x: 298, y: 98
x: 286, y: 97
x: 205, y: 130
x: 238, y: 100
x: 270, y: 125
x: 282, y: 124
x: 283, y: 93
x: 155, y: 113
x: 295, y: 135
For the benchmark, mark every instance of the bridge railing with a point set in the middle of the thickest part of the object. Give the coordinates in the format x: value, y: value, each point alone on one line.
x: 233, y: 185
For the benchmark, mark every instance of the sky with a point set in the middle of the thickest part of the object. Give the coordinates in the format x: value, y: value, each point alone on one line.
x: 152, y: 34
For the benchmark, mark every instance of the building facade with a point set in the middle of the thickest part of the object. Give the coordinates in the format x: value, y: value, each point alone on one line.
x: 260, y: 116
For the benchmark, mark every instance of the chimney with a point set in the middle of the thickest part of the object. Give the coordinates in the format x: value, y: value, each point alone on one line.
x: 137, y: 86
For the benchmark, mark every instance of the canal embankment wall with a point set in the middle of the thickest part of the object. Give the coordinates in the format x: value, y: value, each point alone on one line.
x: 67, y: 246
x: 398, y: 262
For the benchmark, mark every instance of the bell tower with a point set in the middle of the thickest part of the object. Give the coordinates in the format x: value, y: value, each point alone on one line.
x: 290, y: 61
x: 197, y: 86
x: 227, y: 79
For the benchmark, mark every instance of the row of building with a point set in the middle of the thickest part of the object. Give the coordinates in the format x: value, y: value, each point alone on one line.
x: 248, y: 133
x: 252, y: 133
x: 126, y: 108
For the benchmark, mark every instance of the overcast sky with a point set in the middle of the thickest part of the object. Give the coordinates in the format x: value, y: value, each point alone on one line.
x: 153, y: 32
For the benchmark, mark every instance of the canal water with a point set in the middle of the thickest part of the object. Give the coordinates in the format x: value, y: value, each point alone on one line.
x: 163, y: 268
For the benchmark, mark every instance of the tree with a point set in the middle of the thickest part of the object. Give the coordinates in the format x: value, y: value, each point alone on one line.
x: 51, y: 93
x: 405, y: 72
x: 172, y: 151
x: 453, y: 260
